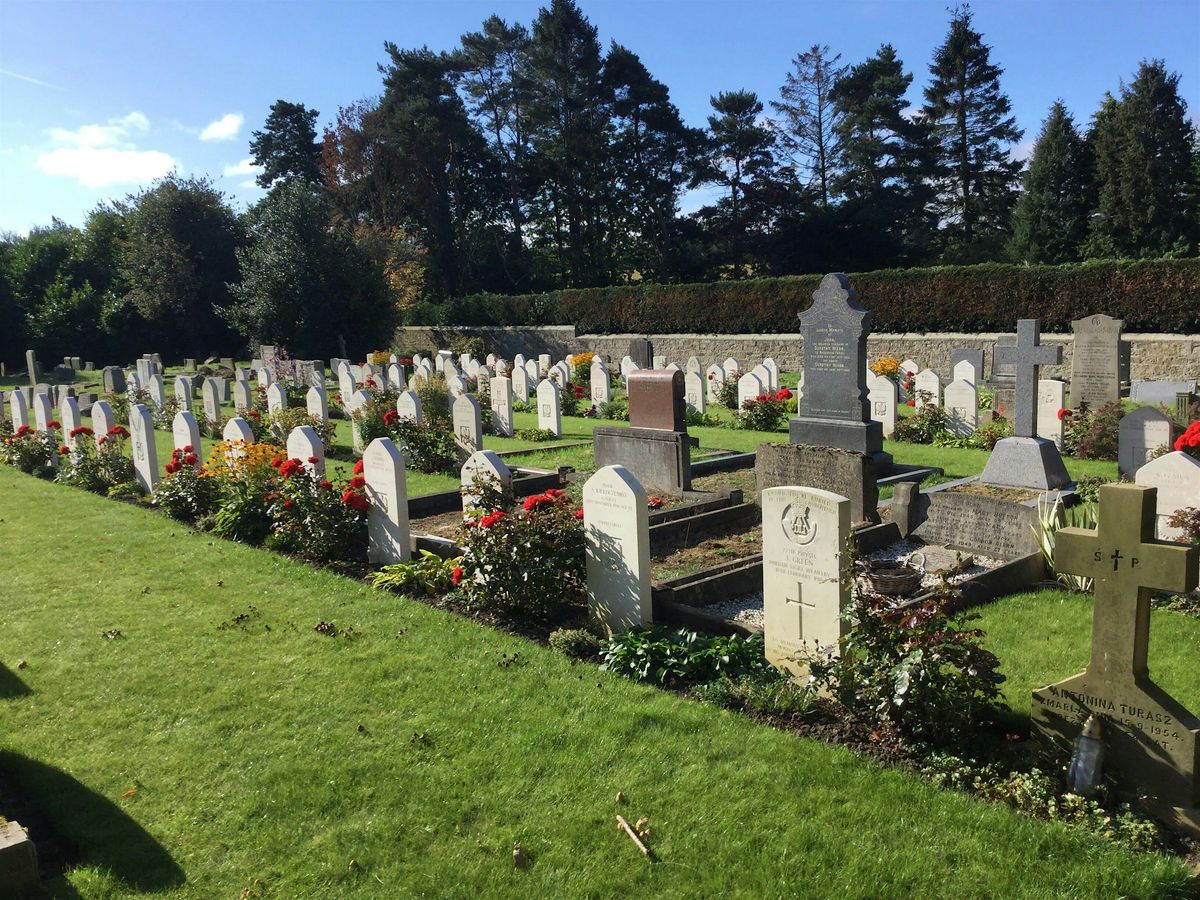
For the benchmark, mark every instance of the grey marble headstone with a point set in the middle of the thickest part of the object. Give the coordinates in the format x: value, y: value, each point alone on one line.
x: 1160, y: 393
x: 1096, y: 361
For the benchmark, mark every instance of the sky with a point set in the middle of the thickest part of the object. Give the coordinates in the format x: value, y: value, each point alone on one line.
x: 98, y: 99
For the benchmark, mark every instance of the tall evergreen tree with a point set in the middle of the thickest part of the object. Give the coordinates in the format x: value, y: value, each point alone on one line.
x: 570, y: 123
x: 1144, y: 168
x: 886, y: 164
x: 972, y: 125
x: 810, y: 118
x: 1051, y: 218
x: 654, y: 157
x: 741, y: 161
x: 287, y: 147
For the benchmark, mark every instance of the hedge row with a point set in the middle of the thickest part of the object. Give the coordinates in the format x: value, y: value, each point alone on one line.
x: 1150, y: 295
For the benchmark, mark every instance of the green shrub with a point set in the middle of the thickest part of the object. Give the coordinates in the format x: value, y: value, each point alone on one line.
x: 926, y: 426
x: 615, y: 410
x: 186, y: 492
x: 1092, y: 434
x: 97, y: 464
x: 426, y: 574
x: 435, y: 401
x: 680, y: 657
x: 428, y: 449
x: 577, y: 643
x: 768, y: 693
x: 766, y: 412
x: 538, y: 435
x: 31, y: 452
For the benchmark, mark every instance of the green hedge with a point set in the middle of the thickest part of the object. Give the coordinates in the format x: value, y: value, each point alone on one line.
x: 1150, y: 295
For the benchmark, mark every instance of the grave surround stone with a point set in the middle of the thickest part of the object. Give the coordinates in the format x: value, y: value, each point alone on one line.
x: 1096, y: 361
x: 387, y: 518
x: 842, y: 472
x: 1161, y: 393
x: 616, y: 524
x: 970, y: 522
x: 805, y: 585
x: 1151, y: 739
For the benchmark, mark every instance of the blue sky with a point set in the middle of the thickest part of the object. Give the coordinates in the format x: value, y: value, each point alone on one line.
x: 99, y: 98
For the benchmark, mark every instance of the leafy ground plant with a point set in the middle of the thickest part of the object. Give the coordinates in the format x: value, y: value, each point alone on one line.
x: 428, y: 574
x: 679, y: 657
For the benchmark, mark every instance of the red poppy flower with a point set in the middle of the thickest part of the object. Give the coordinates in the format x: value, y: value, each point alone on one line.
x: 457, y: 575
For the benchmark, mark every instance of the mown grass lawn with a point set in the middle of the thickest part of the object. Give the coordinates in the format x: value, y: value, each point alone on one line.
x: 408, y: 760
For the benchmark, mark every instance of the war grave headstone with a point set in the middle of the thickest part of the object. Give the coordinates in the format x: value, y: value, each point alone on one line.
x: 316, y: 402
x: 241, y: 375
x: 1096, y: 361
x: 277, y: 400
x: 520, y: 384
x: 962, y: 407
x: 1150, y: 738
x: 549, y: 407
x: 483, y: 467
x: 561, y: 373
x: 693, y: 365
x: 263, y: 376
x: 732, y: 368
x: 543, y: 365
x: 833, y: 409
x: 750, y: 386
x: 468, y: 423
x: 357, y: 401
x: 502, y: 406
x: 601, y: 384
x: 655, y: 447
x: 1176, y: 476
x: 1026, y: 460
x: 846, y: 473
x: 346, y: 383
x: 908, y: 372
x: 185, y: 432
x: 964, y: 370
x: 806, y: 533
x: 533, y: 371
x: 185, y: 390
x: 455, y: 386
x: 772, y: 368
x: 158, y: 391
x: 145, y: 454
x: 212, y: 402
x: 43, y: 412
x: 408, y: 406
x: 694, y: 391
x: 714, y: 377
x: 103, y: 418
x: 928, y: 388
x: 387, y: 492
x: 882, y: 397
x: 222, y: 385
x: 616, y: 523
x: 304, y: 444
x: 18, y: 408
x: 972, y: 357
x: 243, y: 398
x: 518, y: 360
x: 1052, y: 399
x: 1139, y: 435
x: 237, y: 431
x: 69, y: 416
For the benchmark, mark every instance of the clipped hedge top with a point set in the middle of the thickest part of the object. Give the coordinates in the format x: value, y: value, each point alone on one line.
x: 1150, y: 295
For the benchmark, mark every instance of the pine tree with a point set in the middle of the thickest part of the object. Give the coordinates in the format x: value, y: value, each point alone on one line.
x: 287, y: 147
x: 1051, y: 218
x: 886, y: 164
x: 971, y: 122
x: 809, y: 127
x: 1144, y: 168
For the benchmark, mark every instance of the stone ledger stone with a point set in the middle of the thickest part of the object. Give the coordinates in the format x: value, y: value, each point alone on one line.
x: 660, y: 460
x: 616, y: 525
x: 842, y: 472
x: 975, y: 523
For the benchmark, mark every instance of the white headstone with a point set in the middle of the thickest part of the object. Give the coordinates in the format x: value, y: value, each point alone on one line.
x: 242, y: 397
x: 502, y: 406
x: 1051, y: 400
x: 964, y: 370
x: 395, y: 375
x: 693, y: 365
x: 185, y: 390
x: 882, y: 397
x: 731, y: 368
x: 714, y: 375
x: 145, y: 454
x: 306, y: 445
x: 695, y: 391
x: 346, y: 383
x: 659, y: 362
x: 237, y: 430
x: 962, y: 407
x: 533, y: 372
x: 773, y: 367
x: 408, y: 406
x: 1140, y: 433
x: 1177, y: 477
x: 212, y: 401
x: 563, y: 371
x: 749, y: 387
x: 69, y: 417
x: 805, y: 556
x: 549, y: 407
x: 928, y: 382
x: 601, y: 383
x: 616, y: 525
x: 18, y: 408
x: 185, y: 431
x: 519, y: 361
x: 276, y: 398
x: 158, y: 391
x: 103, y: 419
x: 264, y: 377
x: 43, y: 412
x: 455, y: 386
x: 543, y: 362
x: 468, y: 423
x: 358, y: 401
x: 627, y: 366
x: 483, y: 466
x: 387, y: 491
x: 317, y: 403
x: 520, y: 384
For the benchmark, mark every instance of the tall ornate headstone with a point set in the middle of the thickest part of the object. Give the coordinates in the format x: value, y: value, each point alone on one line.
x: 1151, y: 739
x: 1096, y: 361
x: 616, y: 525
x: 833, y: 410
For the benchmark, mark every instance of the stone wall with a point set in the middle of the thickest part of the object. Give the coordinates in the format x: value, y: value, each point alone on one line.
x: 1172, y: 357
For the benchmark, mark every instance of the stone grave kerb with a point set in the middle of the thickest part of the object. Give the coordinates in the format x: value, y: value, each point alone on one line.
x: 1152, y: 739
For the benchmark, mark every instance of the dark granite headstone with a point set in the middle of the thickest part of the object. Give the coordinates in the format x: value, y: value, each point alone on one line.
x: 63, y: 373
x: 989, y: 526
x: 834, y: 411
x: 32, y: 367
x: 660, y: 460
x: 844, y: 472
x: 641, y: 351
x: 1096, y: 361
x: 656, y: 400
x: 113, y: 380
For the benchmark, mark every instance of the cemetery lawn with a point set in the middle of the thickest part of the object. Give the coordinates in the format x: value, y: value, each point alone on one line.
x: 192, y: 753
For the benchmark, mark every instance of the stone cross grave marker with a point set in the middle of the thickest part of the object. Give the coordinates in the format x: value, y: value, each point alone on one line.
x: 883, y: 396
x: 316, y: 401
x: 212, y: 401
x: 1140, y: 433
x: 549, y: 407
x: 1052, y: 397
x: 408, y: 406
x: 616, y: 523
x: 962, y: 407
x: 103, y: 418
x: 468, y: 423
x: 502, y: 406
x: 483, y: 467
x: 387, y: 491
x: 277, y: 400
x: 928, y: 382
x: 185, y: 431
x: 694, y: 391
x: 306, y: 445
x: 145, y: 455
x: 69, y: 416
x: 1096, y: 361
x: 805, y: 585
x: 1027, y: 356
x: 1151, y: 738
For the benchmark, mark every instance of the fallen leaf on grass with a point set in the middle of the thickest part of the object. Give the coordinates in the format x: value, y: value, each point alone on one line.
x: 129, y: 793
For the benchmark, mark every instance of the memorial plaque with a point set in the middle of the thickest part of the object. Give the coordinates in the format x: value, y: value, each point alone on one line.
x: 1096, y: 361
x: 843, y: 472
x: 975, y: 523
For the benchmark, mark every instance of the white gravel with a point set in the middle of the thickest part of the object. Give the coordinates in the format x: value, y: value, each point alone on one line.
x: 746, y: 609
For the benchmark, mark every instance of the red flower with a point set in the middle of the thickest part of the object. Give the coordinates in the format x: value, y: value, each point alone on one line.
x: 655, y: 502
x: 1064, y: 413
x: 370, y: 382
x: 358, y: 467
x: 119, y: 431
x: 100, y: 441
x: 187, y: 448
x: 911, y: 403
x: 53, y: 423
x: 783, y: 394
x: 276, y: 462
x: 326, y: 484
x: 290, y: 468
x: 457, y: 575
x: 191, y: 459
x: 23, y: 430
x: 761, y: 398
x: 579, y: 513
x: 390, y: 417
x: 82, y: 429
x: 579, y: 392
x: 532, y: 503
x: 357, y: 482
x: 254, y: 414
x: 405, y: 360
x: 287, y: 504
x: 171, y: 468
x: 64, y: 450
x: 356, y: 501
x: 492, y: 518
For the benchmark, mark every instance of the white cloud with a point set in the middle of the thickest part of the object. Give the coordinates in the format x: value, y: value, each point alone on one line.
x: 30, y: 79
x: 100, y: 155
x: 225, y: 128
x: 252, y: 184
x: 1021, y: 152
x: 245, y: 167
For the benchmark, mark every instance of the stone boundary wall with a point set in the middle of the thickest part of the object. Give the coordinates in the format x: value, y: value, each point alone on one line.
x: 1173, y: 357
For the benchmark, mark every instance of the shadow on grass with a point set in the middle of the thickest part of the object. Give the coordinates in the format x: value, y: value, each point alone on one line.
x: 10, y: 685
x: 65, y: 813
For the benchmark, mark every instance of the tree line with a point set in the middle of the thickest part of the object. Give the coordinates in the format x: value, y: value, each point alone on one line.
x: 532, y: 158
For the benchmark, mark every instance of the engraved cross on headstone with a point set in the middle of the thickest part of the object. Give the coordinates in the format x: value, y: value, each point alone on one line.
x: 1027, y: 357
x: 796, y: 599
x: 1125, y: 564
